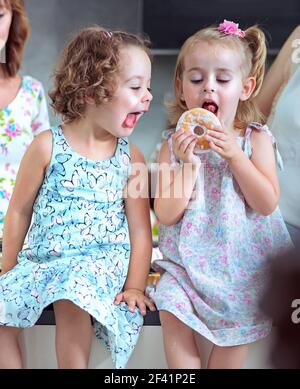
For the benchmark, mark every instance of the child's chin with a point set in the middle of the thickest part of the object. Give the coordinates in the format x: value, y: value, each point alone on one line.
x: 125, y: 131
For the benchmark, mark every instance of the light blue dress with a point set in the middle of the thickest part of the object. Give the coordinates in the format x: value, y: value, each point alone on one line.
x: 78, y: 248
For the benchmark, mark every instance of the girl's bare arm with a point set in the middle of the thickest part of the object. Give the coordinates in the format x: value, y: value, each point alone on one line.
x: 138, y: 216
x: 29, y: 180
x: 257, y: 177
x: 174, y: 187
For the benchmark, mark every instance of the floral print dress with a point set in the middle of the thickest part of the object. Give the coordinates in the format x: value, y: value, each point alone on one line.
x: 216, y: 257
x: 20, y: 121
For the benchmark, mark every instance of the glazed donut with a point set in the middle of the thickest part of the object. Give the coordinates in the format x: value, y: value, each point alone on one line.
x: 198, y: 121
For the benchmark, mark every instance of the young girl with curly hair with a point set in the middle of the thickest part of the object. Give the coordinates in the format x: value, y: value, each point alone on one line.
x: 89, y: 245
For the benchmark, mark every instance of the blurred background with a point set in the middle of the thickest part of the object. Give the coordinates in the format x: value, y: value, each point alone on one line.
x: 167, y: 22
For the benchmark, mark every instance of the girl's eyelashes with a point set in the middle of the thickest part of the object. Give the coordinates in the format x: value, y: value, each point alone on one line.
x: 218, y: 80
x: 139, y: 87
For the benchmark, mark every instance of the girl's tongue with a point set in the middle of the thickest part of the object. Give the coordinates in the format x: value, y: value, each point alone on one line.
x: 130, y: 120
x: 212, y: 107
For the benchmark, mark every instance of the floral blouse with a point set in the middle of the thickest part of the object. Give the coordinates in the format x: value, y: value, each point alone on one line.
x: 20, y: 121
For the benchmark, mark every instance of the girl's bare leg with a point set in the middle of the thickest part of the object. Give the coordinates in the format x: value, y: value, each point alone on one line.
x: 180, y: 347
x: 10, y: 352
x: 231, y: 357
x: 73, y: 335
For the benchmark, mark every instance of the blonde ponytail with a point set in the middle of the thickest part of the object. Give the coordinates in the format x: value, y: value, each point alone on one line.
x: 255, y: 51
x: 257, y: 44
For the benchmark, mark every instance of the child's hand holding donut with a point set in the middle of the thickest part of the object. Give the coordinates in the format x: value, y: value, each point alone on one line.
x: 223, y: 142
x: 183, y: 147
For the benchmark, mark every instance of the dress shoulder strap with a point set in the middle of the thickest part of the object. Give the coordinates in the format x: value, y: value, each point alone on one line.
x: 254, y: 126
x: 122, y: 153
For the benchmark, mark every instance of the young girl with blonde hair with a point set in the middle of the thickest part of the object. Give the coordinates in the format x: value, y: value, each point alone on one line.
x: 215, y: 245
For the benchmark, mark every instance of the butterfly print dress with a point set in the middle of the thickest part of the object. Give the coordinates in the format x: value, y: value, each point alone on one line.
x: 78, y: 248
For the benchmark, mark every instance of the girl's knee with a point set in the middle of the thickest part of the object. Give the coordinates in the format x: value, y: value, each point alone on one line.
x: 166, y: 316
x: 68, y: 312
x: 170, y: 321
x: 6, y: 332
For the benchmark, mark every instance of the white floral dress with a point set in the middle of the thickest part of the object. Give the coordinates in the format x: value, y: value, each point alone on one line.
x: 20, y: 121
x: 215, y: 264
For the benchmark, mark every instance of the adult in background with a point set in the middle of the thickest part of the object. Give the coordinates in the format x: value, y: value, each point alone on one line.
x: 279, y: 101
x: 23, y: 109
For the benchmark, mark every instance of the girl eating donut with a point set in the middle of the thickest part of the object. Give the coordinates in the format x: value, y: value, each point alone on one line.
x: 216, y: 246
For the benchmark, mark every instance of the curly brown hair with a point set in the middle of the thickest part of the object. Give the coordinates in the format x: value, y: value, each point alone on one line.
x: 253, y: 50
x: 18, y: 34
x: 88, y: 68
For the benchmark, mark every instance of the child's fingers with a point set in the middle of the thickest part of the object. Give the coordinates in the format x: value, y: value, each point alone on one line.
x: 142, y: 307
x: 177, y: 143
x: 215, y: 148
x: 183, y: 147
x: 118, y: 298
x: 218, y: 128
x: 216, y: 134
x: 150, y: 304
x: 131, y: 305
x: 191, y: 146
x: 179, y: 133
x: 178, y: 136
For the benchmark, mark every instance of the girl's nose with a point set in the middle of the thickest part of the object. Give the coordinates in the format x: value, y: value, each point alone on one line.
x: 148, y: 96
x: 209, y: 86
x: 208, y: 89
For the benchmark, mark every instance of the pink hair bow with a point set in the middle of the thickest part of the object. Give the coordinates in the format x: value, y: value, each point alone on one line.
x: 231, y: 28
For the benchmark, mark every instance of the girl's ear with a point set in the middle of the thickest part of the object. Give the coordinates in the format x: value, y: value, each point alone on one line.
x: 248, y: 88
x: 89, y: 100
x: 178, y: 84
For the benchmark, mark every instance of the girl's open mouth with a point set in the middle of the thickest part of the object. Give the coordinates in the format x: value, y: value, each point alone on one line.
x: 211, y: 106
x: 132, y: 119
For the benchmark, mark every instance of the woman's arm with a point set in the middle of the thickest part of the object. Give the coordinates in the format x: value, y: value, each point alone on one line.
x: 257, y: 177
x: 174, y: 187
x: 29, y: 179
x: 277, y: 75
x: 138, y: 216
